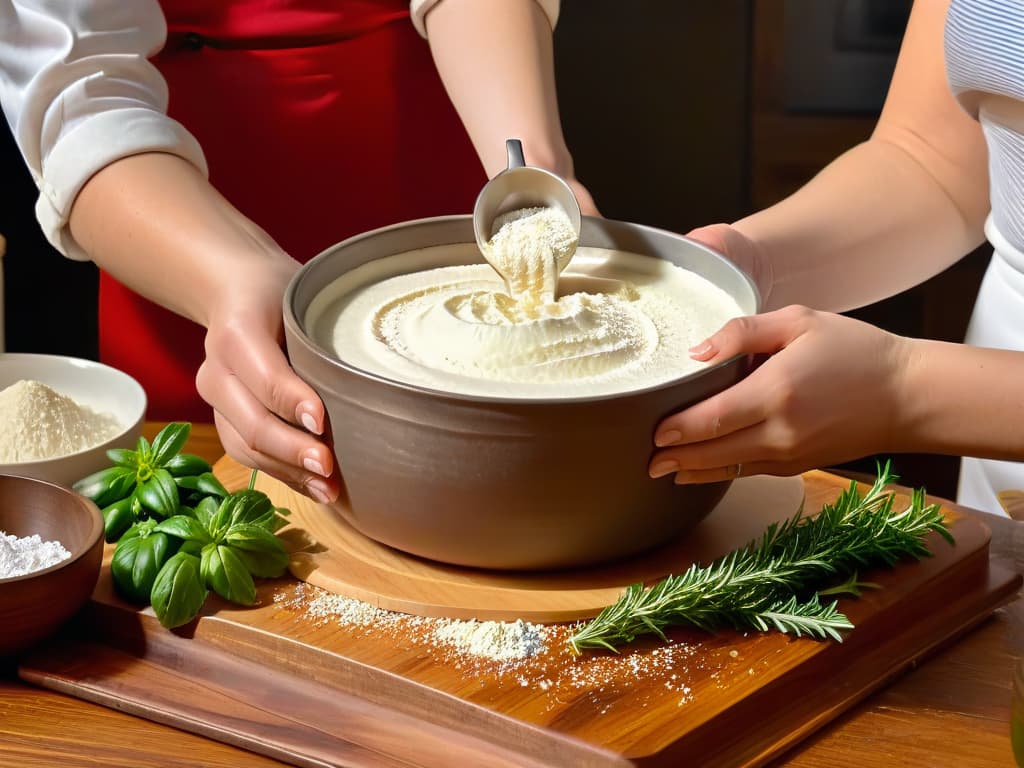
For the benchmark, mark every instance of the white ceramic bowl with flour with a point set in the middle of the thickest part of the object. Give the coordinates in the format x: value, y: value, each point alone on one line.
x: 61, y: 431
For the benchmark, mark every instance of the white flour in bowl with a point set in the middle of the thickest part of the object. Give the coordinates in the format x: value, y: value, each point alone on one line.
x: 28, y: 554
x: 619, y: 322
x: 38, y: 423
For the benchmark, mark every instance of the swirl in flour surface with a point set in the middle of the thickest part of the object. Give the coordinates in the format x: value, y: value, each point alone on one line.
x: 434, y: 318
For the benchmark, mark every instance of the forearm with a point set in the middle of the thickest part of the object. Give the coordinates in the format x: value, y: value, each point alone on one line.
x: 497, y: 64
x: 871, y: 224
x: 156, y: 224
x: 895, y: 210
x: 961, y: 400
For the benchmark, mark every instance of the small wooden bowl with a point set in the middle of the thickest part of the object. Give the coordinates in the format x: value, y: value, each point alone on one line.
x: 33, y: 606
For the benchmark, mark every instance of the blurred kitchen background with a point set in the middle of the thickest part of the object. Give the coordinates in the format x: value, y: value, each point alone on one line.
x: 678, y: 114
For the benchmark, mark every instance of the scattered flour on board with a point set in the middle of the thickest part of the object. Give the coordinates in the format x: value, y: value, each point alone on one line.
x: 498, y: 640
x: 495, y: 640
x: 21, y: 556
x: 36, y: 422
x: 520, y: 654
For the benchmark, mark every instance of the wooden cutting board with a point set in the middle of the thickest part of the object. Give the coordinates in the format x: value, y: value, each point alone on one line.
x: 328, y: 553
x: 312, y: 689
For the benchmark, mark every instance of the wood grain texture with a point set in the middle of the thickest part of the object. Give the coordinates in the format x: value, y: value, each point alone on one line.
x: 329, y: 553
x: 41, y: 729
x: 952, y: 710
x: 725, y: 699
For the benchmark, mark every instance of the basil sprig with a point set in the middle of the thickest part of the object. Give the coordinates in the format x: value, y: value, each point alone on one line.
x: 179, y: 533
x: 220, y: 545
x: 155, y: 481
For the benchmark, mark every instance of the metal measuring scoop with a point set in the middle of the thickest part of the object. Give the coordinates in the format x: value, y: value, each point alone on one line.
x: 521, y: 186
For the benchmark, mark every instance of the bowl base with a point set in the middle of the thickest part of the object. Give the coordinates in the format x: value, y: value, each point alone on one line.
x: 329, y: 553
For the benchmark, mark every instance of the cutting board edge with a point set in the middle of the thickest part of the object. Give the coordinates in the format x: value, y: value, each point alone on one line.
x: 335, y: 739
x: 138, y: 633
x: 1002, y: 586
x: 210, y: 621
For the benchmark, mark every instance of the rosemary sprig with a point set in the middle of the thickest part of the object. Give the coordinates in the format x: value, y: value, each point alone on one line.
x: 773, y: 582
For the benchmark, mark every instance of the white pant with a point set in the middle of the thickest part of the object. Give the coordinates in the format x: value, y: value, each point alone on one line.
x: 997, y: 322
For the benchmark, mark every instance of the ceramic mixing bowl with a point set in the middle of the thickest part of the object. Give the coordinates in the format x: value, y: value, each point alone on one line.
x: 506, y: 483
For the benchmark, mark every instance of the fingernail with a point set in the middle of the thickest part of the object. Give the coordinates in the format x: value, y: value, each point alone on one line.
x: 318, y: 490
x: 667, y: 438
x: 663, y: 468
x: 304, y: 412
x: 310, y: 462
x: 684, y: 478
x: 704, y: 348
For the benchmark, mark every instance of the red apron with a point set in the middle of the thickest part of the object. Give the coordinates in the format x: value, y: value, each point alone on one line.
x: 320, y: 119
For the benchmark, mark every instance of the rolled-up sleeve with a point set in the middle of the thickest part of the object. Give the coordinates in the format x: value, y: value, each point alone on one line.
x: 420, y: 8
x: 79, y: 92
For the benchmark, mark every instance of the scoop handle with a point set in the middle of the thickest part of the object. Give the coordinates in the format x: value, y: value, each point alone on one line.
x: 514, y: 148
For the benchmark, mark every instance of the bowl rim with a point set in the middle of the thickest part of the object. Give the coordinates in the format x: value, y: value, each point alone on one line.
x: 95, y: 532
x: 292, y: 324
x: 129, y: 427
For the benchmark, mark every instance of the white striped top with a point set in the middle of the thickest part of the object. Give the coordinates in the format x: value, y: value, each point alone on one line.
x: 985, y: 67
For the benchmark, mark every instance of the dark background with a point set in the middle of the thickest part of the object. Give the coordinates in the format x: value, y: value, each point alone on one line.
x: 678, y: 115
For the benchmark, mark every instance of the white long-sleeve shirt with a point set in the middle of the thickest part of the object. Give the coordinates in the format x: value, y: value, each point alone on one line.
x: 79, y: 92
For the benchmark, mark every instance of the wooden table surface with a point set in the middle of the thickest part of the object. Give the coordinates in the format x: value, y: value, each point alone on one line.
x: 954, y: 710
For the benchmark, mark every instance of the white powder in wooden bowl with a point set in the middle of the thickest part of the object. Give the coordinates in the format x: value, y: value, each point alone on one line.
x: 21, y: 556
x: 36, y: 422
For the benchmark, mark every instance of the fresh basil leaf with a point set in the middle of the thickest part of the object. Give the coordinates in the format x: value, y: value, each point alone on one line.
x: 187, y: 492
x: 178, y: 592
x: 205, y: 510
x: 184, y: 464
x: 185, y: 482
x: 122, y: 563
x: 159, y: 494
x: 144, y: 451
x: 123, y: 457
x: 247, y: 506
x: 136, y: 562
x: 142, y: 529
x: 252, y: 505
x: 262, y: 553
x: 223, y: 572
x: 220, y: 521
x: 106, y: 486
x: 271, y: 519
x: 152, y: 553
x: 117, y: 519
x: 263, y: 565
x: 192, y: 547
x: 185, y: 528
x: 169, y: 441
x: 253, y: 538
x: 210, y: 485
